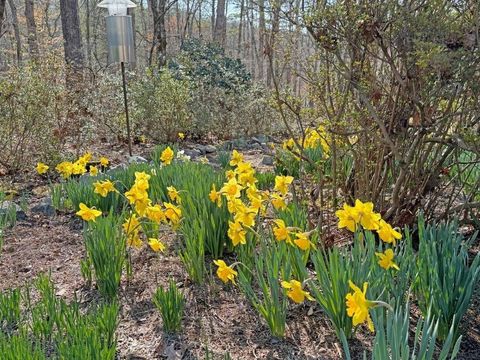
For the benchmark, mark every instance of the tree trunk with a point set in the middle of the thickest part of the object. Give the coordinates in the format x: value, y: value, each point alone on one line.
x: 261, y: 37
x: 31, y: 30
x: 240, y: 29
x: 2, y: 14
x: 16, y: 31
x: 213, y: 18
x: 159, y: 45
x: 72, y: 42
x: 220, y: 32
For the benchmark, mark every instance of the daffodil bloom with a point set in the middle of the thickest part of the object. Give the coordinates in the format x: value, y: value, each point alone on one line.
x: 156, y: 245
x: 236, y: 158
x: 156, y: 214
x: 133, y: 239
x: 235, y: 205
x: 278, y: 201
x: 295, y: 291
x: 224, y: 272
x: 281, y: 232
x: 172, y: 213
x: 386, y: 259
x: 215, y: 196
x: 131, y: 224
x: 141, y: 180
x: 85, y: 158
x: 78, y: 168
x: 41, y: 168
x: 104, y: 161
x: 88, y: 214
x: 282, y: 183
x: 103, y: 187
x: 302, y: 241
x: 231, y: 189
x: 246, y: 217
x: 368, y: 219
x: 288, y: 144
x: 93, y: 171
x: 236, y: 233
x: 181, y: 135
x: 173, y: 194
x: 348, y: 217
x: 387, y: 233
x: 65, y: 169
x: 167, y: 156
x: 135, y: 194
x: 141, y: 206
x: 358, y: 306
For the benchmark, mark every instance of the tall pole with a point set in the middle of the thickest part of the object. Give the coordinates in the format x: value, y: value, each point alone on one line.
x: 122, y: 64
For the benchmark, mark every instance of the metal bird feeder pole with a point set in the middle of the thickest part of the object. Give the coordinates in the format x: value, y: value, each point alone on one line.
x: 120, y: 44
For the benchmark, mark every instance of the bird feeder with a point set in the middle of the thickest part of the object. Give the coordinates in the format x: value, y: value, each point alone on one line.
x: 121, y: 47
x: 119, y: 31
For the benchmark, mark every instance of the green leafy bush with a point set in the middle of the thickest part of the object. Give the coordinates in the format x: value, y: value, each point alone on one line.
x: 170, y: 303
x: 31, y: 116
x: 159, y: 105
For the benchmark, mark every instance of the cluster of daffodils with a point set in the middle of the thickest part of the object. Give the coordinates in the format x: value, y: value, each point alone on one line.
x: 82, y: 165
x: 245, y: 203
x: 362, y: 216
x: 354, y: 218
x: 167, y: 213
x: 142, y: 208
x: 313, y: 139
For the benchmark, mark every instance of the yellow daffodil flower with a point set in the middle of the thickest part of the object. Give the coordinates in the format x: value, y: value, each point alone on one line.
x: 387, y: 233
x: 134, y: 239
x: 173, y: 194
x: 167, y: 156
x: 103, y: 187
x: 282, y: 183
x: 156, y: 214
x: 231, y: 189
x: 181, y: 135
x: 172, y: 213
x: 93, y: 171
x: 88, y: 214
x: 230, y: 174
x: 131, y: 224
x: 224, y: 272
x: 348, y: 217
x: 235, y: 205
x: 278, y: 201
x: 236, y: 233
x: 358, y: 306
x: 302, y: 241
x: 215, y: 196
x: 368, y: 219
x: 246, y: 217
x: 295, y: 291
x: 236, y: 158
x: 281, y: 232
x: 104, y: 161
x: 41, y: 168
x: 386, y: 259
x: 156, y: 245
x: 65, y: 169
x: 78, y: 168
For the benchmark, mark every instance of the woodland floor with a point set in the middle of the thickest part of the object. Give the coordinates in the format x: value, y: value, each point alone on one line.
x: 217, y: 317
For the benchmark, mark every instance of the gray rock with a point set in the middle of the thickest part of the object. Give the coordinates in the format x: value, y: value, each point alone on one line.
x: 267, y: 160
x: 135, y: 159
x: 210, y: 149
x: 45, y: 207
x: 193, y: 153
x: 6, y: 206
